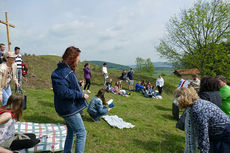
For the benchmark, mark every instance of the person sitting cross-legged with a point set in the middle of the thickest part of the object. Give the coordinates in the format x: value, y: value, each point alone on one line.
x: 97, y: 106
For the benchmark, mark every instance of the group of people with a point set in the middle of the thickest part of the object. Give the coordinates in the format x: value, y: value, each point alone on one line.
x: 149, y: 90
x: 117, y: 89
x: 12, y: 104
x: 206, y: 118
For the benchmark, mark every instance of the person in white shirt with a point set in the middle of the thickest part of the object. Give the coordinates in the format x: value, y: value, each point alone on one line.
x: 105, y: 72
x: 160, y: 84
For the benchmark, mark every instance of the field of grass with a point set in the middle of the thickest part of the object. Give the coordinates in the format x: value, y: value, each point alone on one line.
x: 154, y: 130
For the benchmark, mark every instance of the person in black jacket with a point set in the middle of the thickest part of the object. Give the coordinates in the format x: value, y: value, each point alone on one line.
x: 209, y: 90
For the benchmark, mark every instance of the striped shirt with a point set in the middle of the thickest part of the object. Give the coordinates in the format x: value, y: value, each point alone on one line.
x: 18, y: 61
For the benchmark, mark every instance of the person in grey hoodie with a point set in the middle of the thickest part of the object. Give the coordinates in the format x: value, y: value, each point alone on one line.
x: 97, y: 106
x: 209, y: 90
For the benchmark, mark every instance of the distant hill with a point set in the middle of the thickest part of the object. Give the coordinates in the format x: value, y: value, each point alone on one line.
x: 110, y: 65
x: 162, y: 64
x: 157, y: 64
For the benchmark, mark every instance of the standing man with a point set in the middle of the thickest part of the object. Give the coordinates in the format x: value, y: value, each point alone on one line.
x: 130, y: 78
x: 160, y: 84
x: 2, y: 49
x: 18, y: 62
x: 225, y: 94
x: 105, y: 72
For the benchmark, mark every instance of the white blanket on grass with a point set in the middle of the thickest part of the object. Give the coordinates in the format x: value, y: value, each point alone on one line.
x: 115, y: 121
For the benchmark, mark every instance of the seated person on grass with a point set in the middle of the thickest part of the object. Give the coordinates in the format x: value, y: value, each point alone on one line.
x: 118, y: 89
x: 108, y: 85
x: 9, y: 114
x: 97, y: 106
x: 139, y: 87
x: 148, y: 92
x: 123, y: 75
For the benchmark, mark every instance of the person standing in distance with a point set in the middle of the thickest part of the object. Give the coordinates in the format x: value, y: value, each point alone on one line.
x: 18, y: 61
x: 160, y: 84
x: 87, y: 76
x: 130, y: 78
x: 69, y: 99
x: 105, y: 72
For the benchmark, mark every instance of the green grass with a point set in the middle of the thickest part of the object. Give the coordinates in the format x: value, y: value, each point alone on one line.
x: 154, y: 130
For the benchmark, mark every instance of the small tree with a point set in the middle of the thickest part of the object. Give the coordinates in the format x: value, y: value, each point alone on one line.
x: 139, y: 64
x: 143, y: 65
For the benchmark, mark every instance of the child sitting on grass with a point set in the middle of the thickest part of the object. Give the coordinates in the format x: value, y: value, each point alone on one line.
x: 9, y: 114
x: 97, y: 106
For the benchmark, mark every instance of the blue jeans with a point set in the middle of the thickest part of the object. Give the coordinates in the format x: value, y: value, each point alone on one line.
x: 6, y: 93
x: 75, y: 127
x: 19, y: 77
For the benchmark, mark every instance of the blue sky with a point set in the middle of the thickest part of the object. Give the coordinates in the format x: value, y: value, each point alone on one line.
x: 109, y: 30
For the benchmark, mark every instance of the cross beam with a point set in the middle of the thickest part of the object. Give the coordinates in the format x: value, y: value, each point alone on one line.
x: 7, y: 29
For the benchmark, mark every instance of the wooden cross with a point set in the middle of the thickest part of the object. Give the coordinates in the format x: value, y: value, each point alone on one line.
x: 7, y: 29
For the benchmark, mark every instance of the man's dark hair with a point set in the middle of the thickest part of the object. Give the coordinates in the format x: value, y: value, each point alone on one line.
x: 16, y: 48
x: 2, y: 44
x: 221, y: 77
x: 209, y: 83
x: 104, y: 64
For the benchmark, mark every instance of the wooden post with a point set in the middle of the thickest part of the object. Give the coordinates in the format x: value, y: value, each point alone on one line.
x: 8, y: 32
x: 7, y: 29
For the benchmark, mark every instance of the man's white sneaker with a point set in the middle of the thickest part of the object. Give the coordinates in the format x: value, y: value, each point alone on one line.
x: 88, y: 91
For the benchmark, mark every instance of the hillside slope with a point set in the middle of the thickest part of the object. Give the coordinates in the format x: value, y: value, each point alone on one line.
x: 41, y: 67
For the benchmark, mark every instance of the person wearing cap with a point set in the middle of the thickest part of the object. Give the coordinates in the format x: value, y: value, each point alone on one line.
x: 195, y: 82
x: 2, y: 49
x: 7, y: 74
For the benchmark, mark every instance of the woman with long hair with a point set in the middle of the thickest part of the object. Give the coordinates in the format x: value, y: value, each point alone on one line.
x: 69, y: 100
x: 9, y: 114
x: 7, y: 73
x: 207, y: 127
x: 87, y: 76
x: 97, y: 106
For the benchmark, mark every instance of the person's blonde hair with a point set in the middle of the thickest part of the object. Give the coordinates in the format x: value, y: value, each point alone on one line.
x: 186, y: 97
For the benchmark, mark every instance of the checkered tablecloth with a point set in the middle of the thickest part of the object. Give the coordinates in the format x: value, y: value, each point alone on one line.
x: 55, y: 140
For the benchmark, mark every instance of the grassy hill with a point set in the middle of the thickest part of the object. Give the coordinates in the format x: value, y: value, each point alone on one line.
x: 110, y: 65
x: 154, y: 130
x: 163, y: 70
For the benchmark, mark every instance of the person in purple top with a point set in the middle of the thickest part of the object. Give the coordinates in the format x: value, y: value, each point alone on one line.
x: 87, y: 76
